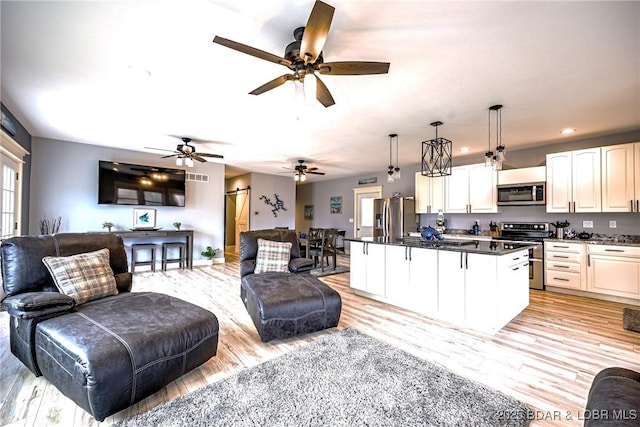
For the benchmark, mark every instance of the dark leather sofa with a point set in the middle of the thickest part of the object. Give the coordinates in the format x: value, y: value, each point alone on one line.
x: 284, y: 304
x: 614, y: 399
x: 105, y: 354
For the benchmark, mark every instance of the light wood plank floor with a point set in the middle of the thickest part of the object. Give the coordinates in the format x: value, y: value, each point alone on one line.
x: 545, y: 357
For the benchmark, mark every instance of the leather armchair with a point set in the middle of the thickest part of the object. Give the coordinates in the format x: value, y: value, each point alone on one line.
x: 104, y: 354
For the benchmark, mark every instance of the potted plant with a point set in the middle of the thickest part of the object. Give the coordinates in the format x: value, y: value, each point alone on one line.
x: 107, y: 225
x: 210, y: 253
x: 177, y: 225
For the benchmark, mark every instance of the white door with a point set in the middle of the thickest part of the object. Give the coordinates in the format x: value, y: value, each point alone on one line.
x: 8, y: 197
x: 242, y: 215
x: 363, y: 210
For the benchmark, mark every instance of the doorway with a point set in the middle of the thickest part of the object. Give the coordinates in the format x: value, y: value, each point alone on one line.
x: 236, y: 218
x: 363, y: 210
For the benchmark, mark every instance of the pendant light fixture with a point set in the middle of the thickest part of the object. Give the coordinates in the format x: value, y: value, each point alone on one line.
x: 436, y: 155
x: 490, y: 158
x: 393, y: 172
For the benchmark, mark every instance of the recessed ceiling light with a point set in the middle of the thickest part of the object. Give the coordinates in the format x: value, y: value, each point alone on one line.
x: 567, y: 131
x: 464, y: 149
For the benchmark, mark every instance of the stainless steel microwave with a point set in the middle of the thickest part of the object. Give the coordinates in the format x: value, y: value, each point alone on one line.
x: 521, y: 194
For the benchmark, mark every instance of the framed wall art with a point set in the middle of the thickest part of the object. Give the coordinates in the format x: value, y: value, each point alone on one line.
x: 308, y: 211
x: 335, y: 204
x: 144, y: 219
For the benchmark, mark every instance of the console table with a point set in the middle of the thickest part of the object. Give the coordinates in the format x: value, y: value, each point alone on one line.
x: 186, y: 235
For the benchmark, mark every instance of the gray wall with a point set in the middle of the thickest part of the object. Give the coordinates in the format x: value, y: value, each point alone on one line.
x: 23, y: 138
x: 65, y: 183
x: 261, y: 215
x: 318, y: 194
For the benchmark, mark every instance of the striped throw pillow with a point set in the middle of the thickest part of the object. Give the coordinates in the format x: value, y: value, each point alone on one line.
x: 84, y: 277
x: 272, y: 256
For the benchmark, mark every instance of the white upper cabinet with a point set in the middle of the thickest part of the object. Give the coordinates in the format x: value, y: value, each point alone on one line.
x: 573, y: 181
x: 471, y: 189
x: 429, y: 194
x: 621, y: 178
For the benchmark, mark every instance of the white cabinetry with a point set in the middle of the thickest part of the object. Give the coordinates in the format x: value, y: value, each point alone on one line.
x: 614, y: 270
x: 412, y: 278
x: 429, y: 194
x: 483, y: 292
x: 621, y: 178
x: 564, y: 265
x: 471, y: 189
x: 573, y: 181
x: 368, y: 267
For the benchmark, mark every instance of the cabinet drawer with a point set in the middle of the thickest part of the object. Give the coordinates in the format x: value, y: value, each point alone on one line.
x: 563, y: 279
x: 577, y: 248
x: 612, y: 250
x: 572, y: 267
x: 562, y: 257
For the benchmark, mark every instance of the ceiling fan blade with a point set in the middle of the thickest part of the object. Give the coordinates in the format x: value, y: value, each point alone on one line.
x: 160, y: 149
x: 316, y: 173
x: 315, y: 32
x: 216, y: 156
x: 323, y: 95
x: 198, y: 158
x: 272, y: 84
x: 312, y: 169
x: 353, y: 68
x: 252, y: 51
x: 171, y: 155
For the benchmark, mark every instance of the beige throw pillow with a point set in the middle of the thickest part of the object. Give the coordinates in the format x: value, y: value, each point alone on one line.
x: 272, y: 256
x: 84, y: 277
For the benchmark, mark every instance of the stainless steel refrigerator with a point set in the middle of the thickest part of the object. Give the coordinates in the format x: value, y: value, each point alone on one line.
x: 394, y: 217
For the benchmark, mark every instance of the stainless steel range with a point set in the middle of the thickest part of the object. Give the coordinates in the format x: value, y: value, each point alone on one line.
x: 533, y: 233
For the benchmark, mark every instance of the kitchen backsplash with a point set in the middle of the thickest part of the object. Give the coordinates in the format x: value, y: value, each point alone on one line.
x: 626, y: 223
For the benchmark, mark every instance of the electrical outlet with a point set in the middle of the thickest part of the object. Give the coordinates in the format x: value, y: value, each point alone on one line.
x: 587, y: 224
x: 612, y: 224
x: 351, y: 220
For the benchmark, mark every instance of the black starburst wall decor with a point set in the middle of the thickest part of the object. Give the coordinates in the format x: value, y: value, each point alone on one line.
x: 278, y: 205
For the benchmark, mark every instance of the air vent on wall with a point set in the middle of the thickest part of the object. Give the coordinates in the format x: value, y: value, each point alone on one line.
x: 197, y: 177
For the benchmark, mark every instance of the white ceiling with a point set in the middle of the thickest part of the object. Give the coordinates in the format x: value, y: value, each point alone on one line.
x: 68, y: 72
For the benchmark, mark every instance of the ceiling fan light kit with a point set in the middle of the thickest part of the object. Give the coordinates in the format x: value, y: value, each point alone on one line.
x: 490, y: 158
x: 437, y: 155
x: 304, y: 58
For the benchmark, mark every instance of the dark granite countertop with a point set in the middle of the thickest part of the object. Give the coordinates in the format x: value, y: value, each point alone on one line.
x: 472, y: 246
x: 603, y: 239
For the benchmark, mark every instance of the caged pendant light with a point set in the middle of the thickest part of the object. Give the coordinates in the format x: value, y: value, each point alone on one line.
x: 436, y: 155
x: 490, y: 158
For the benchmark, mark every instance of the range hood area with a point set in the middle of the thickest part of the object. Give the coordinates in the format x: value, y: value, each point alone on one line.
x: 522, y: 175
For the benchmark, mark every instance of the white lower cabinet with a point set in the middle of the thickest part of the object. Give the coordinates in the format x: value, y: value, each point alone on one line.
x: 477, y: 291
x: 564, y: 265
x: 412, y: 278
x: 613, y: 270
x: 368, y: 267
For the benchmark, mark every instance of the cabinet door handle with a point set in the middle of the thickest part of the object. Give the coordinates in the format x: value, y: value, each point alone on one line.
x: 569, y: 206
x: 560, y: 246
x: 514, y: 269
x: 631, y: 203
x: 560, y: 256
x: 515, y: 259
x: 561, y: 266
x: 410, y: 253
x: 614, y: 250
x: 637, y: 205
x: 461, y: 260
x: 561, y: 279
x: 574, y: 206
x: 466, y: 261
x: 589, y: 260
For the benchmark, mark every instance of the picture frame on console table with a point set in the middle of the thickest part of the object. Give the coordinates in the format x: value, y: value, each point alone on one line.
x: 144, y: 218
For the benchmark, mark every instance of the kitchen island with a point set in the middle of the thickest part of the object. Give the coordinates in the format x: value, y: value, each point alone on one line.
x: 481, y: 285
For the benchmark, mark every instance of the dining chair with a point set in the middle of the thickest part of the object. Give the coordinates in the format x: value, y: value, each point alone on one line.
x: 326, y: 248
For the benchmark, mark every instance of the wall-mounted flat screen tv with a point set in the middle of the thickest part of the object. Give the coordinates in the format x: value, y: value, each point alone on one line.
x: 128, y: 184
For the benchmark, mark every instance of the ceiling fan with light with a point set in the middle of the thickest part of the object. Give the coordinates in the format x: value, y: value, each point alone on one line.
x: 301, y: 170
x: 304, y: 57
x: 187, y: 152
